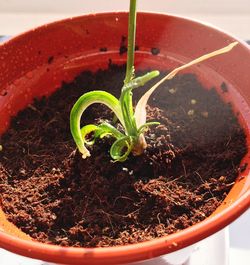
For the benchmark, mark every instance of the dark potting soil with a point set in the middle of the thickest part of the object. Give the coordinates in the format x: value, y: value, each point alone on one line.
x: 191, y: 163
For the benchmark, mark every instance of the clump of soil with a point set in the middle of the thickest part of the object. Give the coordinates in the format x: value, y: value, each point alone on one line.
x: 191, y: 163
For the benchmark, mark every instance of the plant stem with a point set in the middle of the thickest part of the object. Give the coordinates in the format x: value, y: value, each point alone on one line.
x: 131, y: 42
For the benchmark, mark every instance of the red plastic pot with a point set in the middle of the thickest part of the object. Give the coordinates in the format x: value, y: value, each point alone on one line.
x: 35, y: 63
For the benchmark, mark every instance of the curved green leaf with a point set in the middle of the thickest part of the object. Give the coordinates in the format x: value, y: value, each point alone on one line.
x: 106, y: 128
x: 87, y: 129
x: 146, y: 125
x: 80, y: 106
x: 117, y: 149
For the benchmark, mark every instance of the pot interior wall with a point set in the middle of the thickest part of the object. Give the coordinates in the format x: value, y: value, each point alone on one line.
x: 36, y: 63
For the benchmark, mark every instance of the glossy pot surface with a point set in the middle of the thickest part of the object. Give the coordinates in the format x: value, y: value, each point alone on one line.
x: 35, y: 63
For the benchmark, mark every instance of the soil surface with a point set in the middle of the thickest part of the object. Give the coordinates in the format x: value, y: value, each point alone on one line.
x: 191, y: 163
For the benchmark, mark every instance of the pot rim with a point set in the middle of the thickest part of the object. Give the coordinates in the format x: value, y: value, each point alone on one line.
x: 138, y: 251
x: 104, y: 14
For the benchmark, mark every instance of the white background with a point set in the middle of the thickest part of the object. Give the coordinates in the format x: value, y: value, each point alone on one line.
x: 232, y: 16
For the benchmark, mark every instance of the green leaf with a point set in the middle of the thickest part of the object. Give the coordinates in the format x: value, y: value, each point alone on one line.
x: 146, y: 125
x: 100, y: 131
x: 121, y: 148
x: 86, y: 130
x: 105, y: 129
x: 80, y: 106
x: 140, y: 81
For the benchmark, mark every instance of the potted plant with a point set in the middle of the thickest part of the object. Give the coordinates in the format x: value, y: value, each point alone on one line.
x: 35, y: 64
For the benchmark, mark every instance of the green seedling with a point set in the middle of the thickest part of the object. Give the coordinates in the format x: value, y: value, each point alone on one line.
x: 133, y: 121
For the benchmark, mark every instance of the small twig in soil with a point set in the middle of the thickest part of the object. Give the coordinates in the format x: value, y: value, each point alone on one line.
x: 34, y: 109
x: 184, y: 168
x: 49, y: 122
x: 85, y: 208
x: 108, y: 217
x: 122, y: 197
x: 158, y: 218
x: 229, y: 140
x: 205, y: 183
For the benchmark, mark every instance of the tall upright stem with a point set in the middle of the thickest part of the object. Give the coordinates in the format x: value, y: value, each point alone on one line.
x: 131, y: 42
